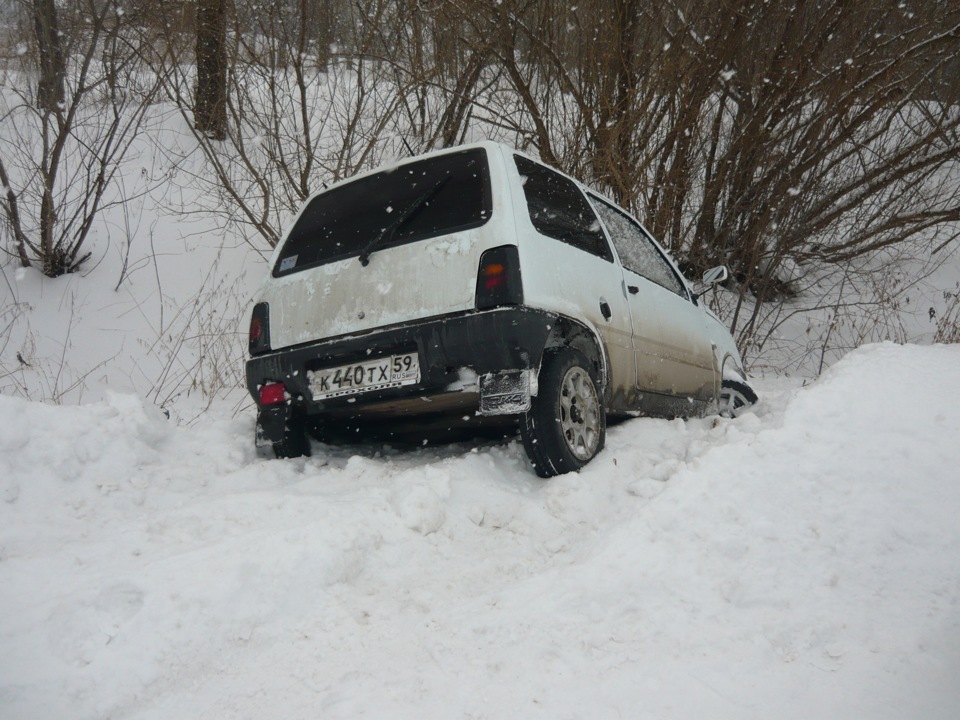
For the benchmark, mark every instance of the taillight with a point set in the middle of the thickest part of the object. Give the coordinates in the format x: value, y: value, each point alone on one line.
x: 273, y: 394
x: 260, y: 329
x: 498, y: 278
x: 493, y: 275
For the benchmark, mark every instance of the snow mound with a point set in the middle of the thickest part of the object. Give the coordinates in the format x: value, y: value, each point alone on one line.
x: 800, y: 561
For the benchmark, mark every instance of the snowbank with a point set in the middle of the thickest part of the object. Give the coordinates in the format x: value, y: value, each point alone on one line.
x: 801, y: 561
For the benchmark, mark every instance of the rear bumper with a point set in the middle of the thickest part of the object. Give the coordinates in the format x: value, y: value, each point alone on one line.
x: 488, y: 341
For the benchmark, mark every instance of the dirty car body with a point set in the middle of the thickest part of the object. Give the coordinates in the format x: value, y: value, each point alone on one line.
x: 477, y: 284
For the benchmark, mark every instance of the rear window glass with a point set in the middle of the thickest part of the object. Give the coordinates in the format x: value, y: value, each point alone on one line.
x: 413, y: 202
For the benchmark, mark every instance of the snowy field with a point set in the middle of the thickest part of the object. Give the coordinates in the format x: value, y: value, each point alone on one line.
x: 802, y: 561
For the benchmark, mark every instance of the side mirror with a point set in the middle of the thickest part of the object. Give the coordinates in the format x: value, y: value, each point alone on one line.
x: 715, y: 276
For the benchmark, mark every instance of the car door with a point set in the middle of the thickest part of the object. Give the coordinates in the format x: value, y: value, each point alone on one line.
x: 570, y: 268
x: 674, y: 355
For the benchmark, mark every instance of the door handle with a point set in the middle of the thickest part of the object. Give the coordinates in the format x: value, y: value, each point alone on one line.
x: 633, y: 289
x: 605, y: 310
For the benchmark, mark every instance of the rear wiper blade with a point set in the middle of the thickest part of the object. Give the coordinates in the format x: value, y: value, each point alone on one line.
x: 401, y: 220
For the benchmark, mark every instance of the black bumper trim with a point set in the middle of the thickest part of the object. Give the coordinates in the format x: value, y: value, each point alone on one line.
x: 488, y: 341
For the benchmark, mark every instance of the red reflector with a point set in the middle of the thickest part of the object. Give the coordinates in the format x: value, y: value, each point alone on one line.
x: 272, y: 394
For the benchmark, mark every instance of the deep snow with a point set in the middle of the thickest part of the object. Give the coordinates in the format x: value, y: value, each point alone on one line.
x: 802, y: 561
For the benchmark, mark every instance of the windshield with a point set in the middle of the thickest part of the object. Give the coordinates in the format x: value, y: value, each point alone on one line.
x: 432, y: 197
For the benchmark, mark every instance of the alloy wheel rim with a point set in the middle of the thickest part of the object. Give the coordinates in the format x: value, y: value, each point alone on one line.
x: 579, y: 413
x: 732, y: 401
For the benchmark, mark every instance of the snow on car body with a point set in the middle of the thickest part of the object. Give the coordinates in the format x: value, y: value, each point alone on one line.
x: 477, y: 282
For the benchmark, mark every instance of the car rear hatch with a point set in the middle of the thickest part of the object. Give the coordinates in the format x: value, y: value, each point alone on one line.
x: 393, y: 246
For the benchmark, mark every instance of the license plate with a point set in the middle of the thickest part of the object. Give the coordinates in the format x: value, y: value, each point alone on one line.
x: 386, y: 372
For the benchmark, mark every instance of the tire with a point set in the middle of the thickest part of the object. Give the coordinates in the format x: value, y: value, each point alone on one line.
x: 295, y: 442
x: 735, y: 398
x: 566, y: 425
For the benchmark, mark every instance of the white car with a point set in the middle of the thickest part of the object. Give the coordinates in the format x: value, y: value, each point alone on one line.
x: 476, y: 284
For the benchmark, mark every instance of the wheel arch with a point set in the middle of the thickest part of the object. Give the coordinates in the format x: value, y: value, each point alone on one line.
x: 567, y: 332
x: 732, y: 369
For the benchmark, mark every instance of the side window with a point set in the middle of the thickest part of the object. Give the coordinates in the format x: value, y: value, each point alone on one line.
x: 637, y: 250
x: 559, y: 210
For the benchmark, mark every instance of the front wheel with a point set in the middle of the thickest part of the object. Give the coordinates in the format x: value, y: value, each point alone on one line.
x: 735, y: 398
x: 566, y: 425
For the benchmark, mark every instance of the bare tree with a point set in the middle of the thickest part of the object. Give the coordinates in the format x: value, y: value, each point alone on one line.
x: 58, y: 161
x: 50, y: 92
x: 774, y: 137
x: 210, y: 97
x: 318, y: 92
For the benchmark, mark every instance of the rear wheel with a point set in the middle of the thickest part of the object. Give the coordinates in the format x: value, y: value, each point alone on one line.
x: 735, y: 398
x: 293, y: 440
x: 566, y: 425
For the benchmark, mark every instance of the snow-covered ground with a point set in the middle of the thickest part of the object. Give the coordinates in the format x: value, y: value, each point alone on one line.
x: 802, y: 561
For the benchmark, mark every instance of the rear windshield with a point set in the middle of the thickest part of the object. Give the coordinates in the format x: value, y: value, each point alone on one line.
x: 413, y: 202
